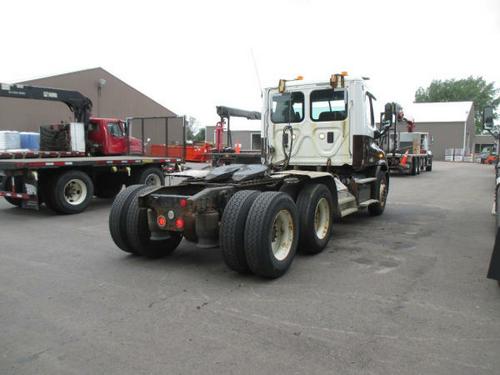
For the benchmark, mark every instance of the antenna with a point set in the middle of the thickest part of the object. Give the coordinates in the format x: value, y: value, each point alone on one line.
x: 256, y: 70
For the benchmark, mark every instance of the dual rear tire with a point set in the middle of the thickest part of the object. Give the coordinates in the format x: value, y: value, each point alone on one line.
x: 129, y: 229
x: 261, y: 232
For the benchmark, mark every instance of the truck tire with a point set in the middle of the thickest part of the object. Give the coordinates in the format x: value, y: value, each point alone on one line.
x: 152, y: 176
x: 271, y: 234
x: 70, y: 192
x: 108, y: 186
x: 19, y: 189
x: 14, y: 201
x: 315, y: 208
x: 139, y: 235
x: 118, y: 217
x: 380, y: 192
x: 232, y: 230
x: 418, y: 165
x: 429, y: 167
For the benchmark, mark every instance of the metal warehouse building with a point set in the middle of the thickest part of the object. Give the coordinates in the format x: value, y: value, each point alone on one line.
x: 111, y: 97
x: 450, y: 124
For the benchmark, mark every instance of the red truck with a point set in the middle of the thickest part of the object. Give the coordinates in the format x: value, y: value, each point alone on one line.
x: 66, y: 180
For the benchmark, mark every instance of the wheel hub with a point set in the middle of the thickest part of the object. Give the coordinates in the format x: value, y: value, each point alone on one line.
x: 153, y: 180
x: 282, y: 234
x: 75, y: 192
x: 322, y: 218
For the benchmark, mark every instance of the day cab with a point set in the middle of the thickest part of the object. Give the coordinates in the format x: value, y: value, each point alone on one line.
x: 320, y: 162
x: 108, y: 136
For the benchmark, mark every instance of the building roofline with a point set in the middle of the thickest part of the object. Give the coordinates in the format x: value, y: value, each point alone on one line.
x: 108, y: 72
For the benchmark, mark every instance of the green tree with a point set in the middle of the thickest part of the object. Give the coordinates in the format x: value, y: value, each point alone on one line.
x: 472, y: 89
x: 192, y: 125
x: 200, y: 136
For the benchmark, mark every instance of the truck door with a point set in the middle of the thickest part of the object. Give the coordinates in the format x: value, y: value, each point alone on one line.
x: 96, y: 138
x: 117, y: 144
x: 318, y: 119
x: 329, y: 126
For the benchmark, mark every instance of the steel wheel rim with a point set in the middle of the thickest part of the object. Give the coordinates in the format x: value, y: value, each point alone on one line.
x: 75, y: 192
x: 322, y: 218
x: 153, y: 180
x: 383, y: 192
x: 282, y: 234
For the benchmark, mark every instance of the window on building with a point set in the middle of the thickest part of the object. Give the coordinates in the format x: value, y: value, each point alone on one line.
x: 256, y: 141
x: 328, y: 105
x: 287, y: 108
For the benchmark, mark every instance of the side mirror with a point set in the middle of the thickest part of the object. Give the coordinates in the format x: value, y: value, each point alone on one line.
x: 488, y: 118
x: 388, y: 111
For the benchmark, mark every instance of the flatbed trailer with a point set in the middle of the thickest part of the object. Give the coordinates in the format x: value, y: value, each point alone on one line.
x: 66, y: 184
x: 407, y: 163
x: 87, y: 157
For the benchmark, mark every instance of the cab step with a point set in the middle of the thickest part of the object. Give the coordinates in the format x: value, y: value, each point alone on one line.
x: 346, y: 201
x: 348, y: 211
x: 363, y: 181
x: 368, y: 202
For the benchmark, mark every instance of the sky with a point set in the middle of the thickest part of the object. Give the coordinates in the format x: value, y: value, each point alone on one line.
x: 193, y: 55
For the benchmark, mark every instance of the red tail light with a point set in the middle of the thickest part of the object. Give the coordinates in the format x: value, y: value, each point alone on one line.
x: 183, y: 202
x: 161, y: 221
x: 179, y: 223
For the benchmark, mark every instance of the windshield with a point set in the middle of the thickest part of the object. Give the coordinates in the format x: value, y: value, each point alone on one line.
x: 328, y: 105
x: 287, y: 108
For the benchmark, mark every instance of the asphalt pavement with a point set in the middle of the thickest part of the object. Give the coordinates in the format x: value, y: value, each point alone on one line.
x: 404, y: 293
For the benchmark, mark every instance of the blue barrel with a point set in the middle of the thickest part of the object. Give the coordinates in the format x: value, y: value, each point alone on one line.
x: 30, y: 140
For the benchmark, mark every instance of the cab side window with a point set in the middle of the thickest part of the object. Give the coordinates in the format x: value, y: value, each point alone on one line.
x: 328, y: 105
x: 287, y: 108
x: 370, y: 116
x: 92, y: 127
x: 115, y: 129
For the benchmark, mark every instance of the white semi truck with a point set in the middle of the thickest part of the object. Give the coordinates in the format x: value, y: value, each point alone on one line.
x: 320, y: 161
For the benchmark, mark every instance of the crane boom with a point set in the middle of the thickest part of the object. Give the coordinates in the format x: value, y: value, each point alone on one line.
x: 79, y: 104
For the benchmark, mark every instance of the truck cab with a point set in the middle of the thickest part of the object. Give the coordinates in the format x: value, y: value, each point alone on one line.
x: 108, y: 136
x: 322, y: 124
